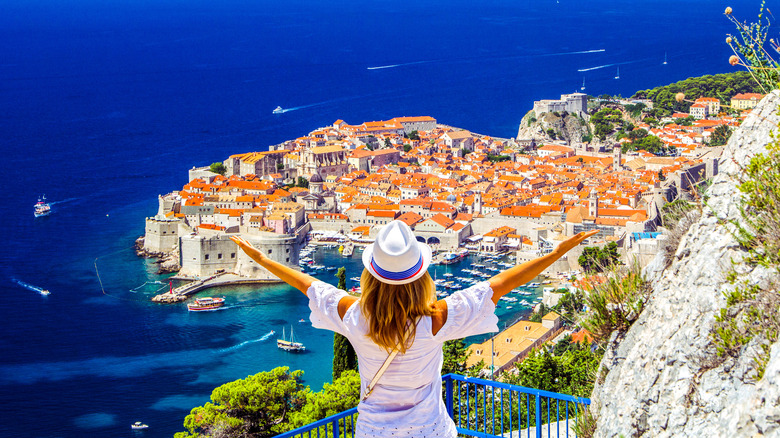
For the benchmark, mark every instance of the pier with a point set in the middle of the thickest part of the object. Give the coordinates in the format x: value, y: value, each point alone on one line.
x: 196, y: 285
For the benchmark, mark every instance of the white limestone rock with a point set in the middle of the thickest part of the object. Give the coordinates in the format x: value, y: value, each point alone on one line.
x: 662, y: 381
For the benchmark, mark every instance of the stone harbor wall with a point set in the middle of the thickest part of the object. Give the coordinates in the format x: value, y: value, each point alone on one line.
x: 662, y: 378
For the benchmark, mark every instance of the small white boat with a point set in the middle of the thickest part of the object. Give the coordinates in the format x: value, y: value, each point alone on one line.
x: 289, y: 345
x: 45, y: 292
x: 138, y: 425
x: 42, y: 208
x: 278, y: 110
x: 617, y: 76
x: 205, y: 304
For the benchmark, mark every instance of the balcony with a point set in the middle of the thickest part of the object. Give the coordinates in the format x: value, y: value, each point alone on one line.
x: 480, y: 408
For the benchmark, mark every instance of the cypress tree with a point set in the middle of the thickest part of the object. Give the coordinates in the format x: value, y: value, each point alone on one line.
x: 344, y: 357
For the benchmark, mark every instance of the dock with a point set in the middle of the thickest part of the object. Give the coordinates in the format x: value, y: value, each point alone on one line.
x: 196, y: 285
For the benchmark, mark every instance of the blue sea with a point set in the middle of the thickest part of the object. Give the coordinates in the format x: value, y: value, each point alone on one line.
x: 106, y: 104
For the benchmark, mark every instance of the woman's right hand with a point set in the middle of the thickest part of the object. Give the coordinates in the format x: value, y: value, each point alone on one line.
x: 247, y: 247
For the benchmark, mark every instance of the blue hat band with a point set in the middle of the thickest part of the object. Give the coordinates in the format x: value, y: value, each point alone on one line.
x: 398, y: 276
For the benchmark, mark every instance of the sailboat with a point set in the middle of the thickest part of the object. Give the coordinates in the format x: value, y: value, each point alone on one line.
x: 617, y: 75
x: 290, y: 345
x: 583, y: 84
x: 664, y: 58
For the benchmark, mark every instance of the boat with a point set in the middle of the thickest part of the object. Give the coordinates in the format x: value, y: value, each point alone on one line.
x: 617, y: 76
x: 290, y: 345
x: 451, y: 258
x: 664, y: 58
x: 42, y: 208
x: 138, y: 425
x: 278, y: 110
x: 205, y: 304
x: 349, y: 248
x: 583, y: 84
x: 45, y: 292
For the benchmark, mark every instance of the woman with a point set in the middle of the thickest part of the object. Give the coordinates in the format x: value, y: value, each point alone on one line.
x: 398, y: 310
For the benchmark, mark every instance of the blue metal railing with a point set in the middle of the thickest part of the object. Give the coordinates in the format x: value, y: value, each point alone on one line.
x: 480, y: 408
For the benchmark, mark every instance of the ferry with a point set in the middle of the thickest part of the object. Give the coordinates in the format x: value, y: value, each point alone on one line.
x: 205, y: 304
x: 138, y: 425
x: 42, y: 208
x: 290, y: 345
x: 278, y: 110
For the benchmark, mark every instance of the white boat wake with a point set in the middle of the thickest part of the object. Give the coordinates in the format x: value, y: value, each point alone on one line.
x: 596, y: 68
x: 380, y: 67
x: 252, y: 341
x: 606, y: 65
x: 63, y: 201
x: 581, y: 52
x: 28, y: 286
x: 147, y: 282
x: 578, y: 52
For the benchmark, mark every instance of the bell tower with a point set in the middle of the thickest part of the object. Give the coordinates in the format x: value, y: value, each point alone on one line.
x: 617, y: 156
x: 593, y: 205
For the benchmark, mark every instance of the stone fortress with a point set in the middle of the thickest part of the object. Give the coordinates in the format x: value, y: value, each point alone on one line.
x: 575, y: 103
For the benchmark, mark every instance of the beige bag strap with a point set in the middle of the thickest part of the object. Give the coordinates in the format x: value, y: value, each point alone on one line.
x: 385, y: 365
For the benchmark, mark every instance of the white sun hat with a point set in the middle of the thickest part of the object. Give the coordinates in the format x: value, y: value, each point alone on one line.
x: 396, y: 257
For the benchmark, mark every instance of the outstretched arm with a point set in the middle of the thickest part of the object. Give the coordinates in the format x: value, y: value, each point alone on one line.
x: 294, y: 278
x: 505, y: 281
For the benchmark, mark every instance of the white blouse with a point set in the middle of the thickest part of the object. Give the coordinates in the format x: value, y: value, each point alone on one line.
x: 407, y: 399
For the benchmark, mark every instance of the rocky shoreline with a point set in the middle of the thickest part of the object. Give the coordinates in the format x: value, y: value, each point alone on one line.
x: 168, y: 261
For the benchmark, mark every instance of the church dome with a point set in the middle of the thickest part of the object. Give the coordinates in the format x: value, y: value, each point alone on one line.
x: 452, y: 198
x: 316, y: 178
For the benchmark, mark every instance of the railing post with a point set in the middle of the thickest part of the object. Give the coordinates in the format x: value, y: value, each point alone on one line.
x: 450, y: 400
x: 538, y: 416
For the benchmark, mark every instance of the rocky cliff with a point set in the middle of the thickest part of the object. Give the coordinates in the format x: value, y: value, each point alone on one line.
x: 664, y: 377
x: 542, y: 127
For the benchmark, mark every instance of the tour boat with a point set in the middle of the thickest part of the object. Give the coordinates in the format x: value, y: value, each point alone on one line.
x: 617, y: 76
x: 278, y: 110
x: 138, y: 425
x: 42, y: 208
x: 349, y: 248
x: 290, y: 345
x: 205, y: 304
x: 45, y: 292
x: 451, y: 258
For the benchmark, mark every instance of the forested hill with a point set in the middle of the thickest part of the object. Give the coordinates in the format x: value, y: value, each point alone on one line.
x: 723, y: 86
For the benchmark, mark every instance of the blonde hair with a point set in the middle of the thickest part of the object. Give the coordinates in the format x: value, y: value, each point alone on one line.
x: 389, y: 307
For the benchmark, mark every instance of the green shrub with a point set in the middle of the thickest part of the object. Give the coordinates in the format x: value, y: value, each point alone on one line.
x: 752, y: 313
x: 616, y: 303
x: 750, y: 49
